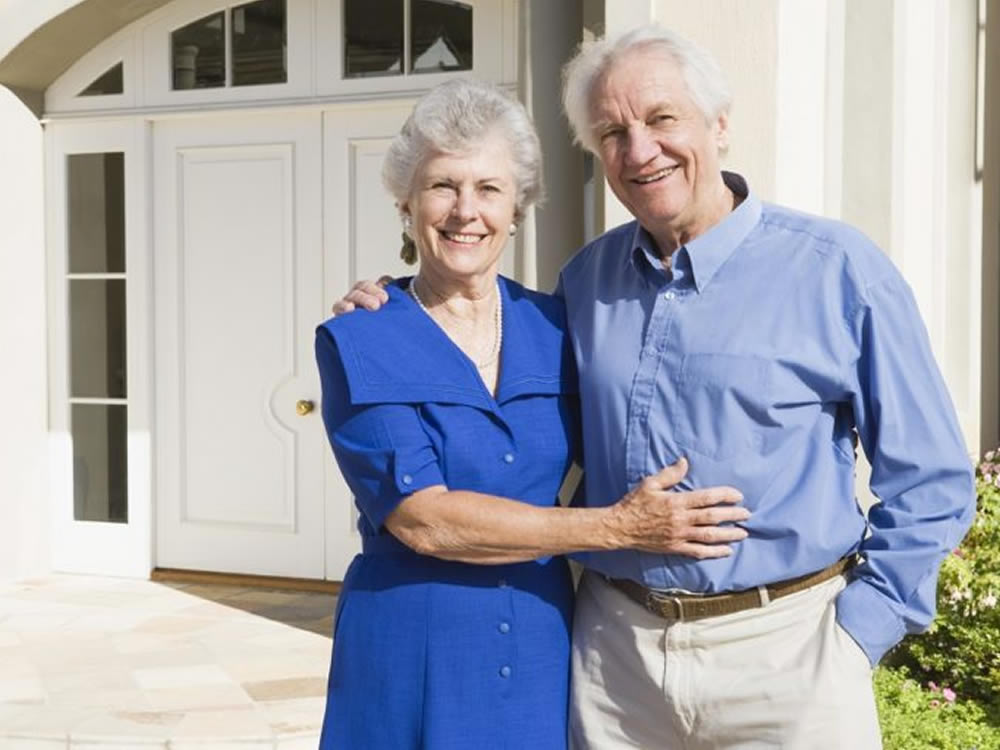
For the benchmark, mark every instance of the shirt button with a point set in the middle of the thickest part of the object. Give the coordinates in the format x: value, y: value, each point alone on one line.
x: 508, y: 458
x: 668, y: 295
x: 504, y: 627
x: 505, y: 671
x: 407, y: 479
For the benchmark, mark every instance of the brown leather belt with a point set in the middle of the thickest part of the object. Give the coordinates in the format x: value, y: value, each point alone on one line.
x: 694, y: 607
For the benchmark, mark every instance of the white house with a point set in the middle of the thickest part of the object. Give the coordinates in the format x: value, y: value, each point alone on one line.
x: 186, y: 186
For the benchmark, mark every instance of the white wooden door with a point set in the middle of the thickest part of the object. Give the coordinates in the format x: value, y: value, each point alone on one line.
x: 362, y: 241
x: 238, y: 291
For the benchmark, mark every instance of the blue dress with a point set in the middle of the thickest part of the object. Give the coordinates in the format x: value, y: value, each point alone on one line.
x: 430, y: 653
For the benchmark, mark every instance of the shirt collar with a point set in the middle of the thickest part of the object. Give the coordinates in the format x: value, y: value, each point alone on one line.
x: 707, y: 252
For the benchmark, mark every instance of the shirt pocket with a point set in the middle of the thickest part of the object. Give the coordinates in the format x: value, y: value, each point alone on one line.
x: 723, y: 402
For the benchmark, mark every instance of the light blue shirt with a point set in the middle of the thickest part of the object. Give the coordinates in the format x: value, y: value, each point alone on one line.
x: 771, y: 340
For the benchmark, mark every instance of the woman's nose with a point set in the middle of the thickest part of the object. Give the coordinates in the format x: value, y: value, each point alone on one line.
x: 465, y: 206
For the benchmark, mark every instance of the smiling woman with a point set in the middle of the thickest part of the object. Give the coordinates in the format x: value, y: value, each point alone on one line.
x: 455, y: 439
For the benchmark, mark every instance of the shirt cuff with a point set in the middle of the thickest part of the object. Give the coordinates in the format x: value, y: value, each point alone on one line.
x: 869, y: 619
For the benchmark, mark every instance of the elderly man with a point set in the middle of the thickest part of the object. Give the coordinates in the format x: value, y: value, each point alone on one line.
x: 757, y: 342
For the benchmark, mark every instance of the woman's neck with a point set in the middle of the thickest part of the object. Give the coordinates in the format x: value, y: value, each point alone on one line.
x: 467, y: 300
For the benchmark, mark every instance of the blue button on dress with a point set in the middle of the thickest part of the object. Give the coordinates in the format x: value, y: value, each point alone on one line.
x: 430, y: 653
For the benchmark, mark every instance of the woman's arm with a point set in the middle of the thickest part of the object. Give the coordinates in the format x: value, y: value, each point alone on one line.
x: 476, y: 528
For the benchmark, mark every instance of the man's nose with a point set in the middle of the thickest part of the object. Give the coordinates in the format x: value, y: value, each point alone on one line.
x: 641, y: 147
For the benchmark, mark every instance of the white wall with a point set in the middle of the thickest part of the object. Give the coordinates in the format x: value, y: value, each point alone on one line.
x: 23, y: 485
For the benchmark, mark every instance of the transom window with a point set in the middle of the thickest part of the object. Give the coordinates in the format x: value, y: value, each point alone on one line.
x: 243, y: 45
x: 401, y: 37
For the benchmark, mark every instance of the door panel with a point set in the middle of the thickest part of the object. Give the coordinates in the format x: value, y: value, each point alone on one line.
x: 238, y: 271
x: 362, y: 241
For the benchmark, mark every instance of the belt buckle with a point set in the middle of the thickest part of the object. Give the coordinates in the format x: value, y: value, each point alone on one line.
x: 655, y: 600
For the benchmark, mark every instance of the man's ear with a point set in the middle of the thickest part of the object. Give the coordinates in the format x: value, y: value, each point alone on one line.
x: 721, y: 128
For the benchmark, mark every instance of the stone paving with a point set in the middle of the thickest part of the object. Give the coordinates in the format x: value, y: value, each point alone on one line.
x: 111, y: 663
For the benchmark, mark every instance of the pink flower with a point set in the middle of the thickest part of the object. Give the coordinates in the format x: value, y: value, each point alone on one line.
x: 933, y: 686
x: 949, y: 695
x: 989, y: 455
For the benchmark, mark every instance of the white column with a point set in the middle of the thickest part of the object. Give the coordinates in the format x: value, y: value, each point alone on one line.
x: 24, y: 544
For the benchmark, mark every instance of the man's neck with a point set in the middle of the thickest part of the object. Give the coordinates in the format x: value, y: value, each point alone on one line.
x: 671, y: 237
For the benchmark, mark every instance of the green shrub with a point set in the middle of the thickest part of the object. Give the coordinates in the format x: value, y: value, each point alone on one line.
x: 915, y: 718
x: 962, y: 648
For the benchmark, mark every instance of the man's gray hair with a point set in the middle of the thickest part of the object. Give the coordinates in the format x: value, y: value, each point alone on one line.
x: 454, y: 117
x: 705, y: 81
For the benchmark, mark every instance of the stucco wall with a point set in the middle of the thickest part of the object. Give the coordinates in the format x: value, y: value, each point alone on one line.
x: 23, y: 493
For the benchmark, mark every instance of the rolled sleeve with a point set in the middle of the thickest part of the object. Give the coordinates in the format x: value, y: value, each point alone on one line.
x: 382, y: 450
x: 920, y: 472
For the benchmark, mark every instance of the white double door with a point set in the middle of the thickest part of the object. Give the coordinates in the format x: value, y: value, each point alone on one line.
x: 261, y: 221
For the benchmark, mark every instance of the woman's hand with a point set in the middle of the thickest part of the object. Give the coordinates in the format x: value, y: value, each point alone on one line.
x: 654, y: 519
x: 366, y: 294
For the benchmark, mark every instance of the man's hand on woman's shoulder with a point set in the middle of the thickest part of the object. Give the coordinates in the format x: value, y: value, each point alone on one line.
x: 366, y: 294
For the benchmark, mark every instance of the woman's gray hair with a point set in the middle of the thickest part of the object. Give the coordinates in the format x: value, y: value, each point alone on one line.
x: 705, y: 81
x: 453, y: 117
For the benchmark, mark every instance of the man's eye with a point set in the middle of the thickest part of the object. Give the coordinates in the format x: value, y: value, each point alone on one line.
x: 609, y: 134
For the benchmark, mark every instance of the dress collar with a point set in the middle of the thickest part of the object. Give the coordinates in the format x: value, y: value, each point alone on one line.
x: 400, y: 355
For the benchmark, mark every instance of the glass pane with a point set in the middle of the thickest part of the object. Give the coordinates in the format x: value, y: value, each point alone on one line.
x: 100, y: 462
x: 259, y: 43
x: 199, y: 54
x: 109, y: 83
x: 96, y: 204
x: 441, y: 36
x: 373, y: 43
x: 97, y: 338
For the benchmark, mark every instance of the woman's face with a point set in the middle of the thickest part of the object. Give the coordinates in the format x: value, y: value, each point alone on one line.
x: 462, y: 205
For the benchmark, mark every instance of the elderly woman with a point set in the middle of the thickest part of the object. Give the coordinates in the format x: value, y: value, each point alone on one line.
x: 455, y: 433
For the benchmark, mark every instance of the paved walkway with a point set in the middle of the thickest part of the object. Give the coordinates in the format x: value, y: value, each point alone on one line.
x: 111, y: 663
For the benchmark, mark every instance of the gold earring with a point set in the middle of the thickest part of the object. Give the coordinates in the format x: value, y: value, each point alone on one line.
x: 408, y: 252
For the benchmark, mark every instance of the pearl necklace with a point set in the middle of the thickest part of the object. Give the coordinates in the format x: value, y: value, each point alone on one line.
x: 498, y: 318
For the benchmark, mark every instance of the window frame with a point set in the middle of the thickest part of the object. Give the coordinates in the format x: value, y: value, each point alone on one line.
x: 315, y: 52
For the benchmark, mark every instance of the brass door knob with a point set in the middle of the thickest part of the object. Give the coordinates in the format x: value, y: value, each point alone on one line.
x: 304, y: 406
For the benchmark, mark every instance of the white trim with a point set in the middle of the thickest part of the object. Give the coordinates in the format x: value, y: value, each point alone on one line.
x: 86, y: 546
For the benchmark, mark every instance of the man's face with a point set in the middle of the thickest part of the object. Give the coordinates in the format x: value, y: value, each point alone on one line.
x: 660, y: 156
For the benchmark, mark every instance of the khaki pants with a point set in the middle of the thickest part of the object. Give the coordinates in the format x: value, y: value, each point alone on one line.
x: 782, y: 676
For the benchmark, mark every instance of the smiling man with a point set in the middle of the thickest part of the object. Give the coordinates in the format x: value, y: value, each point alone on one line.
x: 757, y: 342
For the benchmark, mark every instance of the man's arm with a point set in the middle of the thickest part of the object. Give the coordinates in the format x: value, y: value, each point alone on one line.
x: 920, y: 471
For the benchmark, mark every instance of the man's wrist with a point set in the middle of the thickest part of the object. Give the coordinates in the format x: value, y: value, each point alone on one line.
x: 868, y: 617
